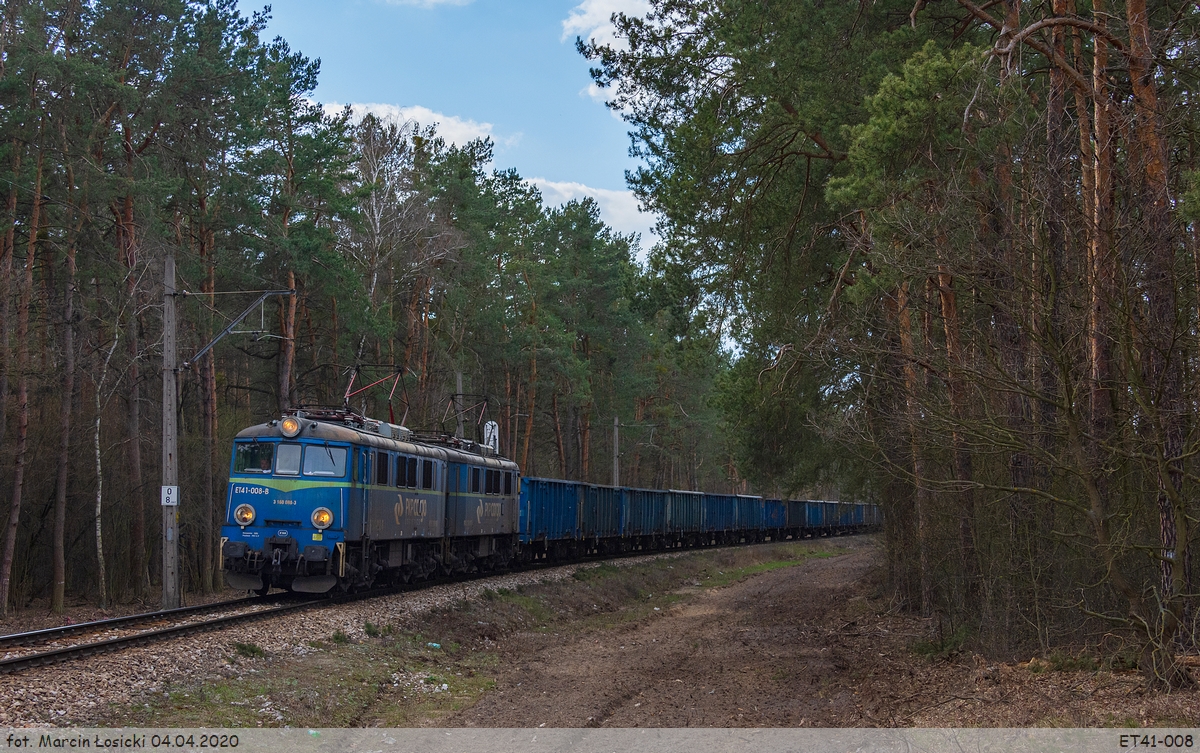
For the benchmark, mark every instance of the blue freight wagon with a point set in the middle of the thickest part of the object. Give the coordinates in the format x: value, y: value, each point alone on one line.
x: 796, y: 521
x: 749, y: 513
x: 720, y: 513
x: 814, y: 517
x: 684, y: 512
x: 829, y: 516
x: 646, y: 511
x: 845, y: 517
x: 549, y: 509
x: 775, y: 517
x: 601, y: 516
x: 874, y: 516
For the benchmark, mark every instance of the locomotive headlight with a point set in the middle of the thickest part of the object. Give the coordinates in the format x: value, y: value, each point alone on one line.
x: 290, y: 426
x: 244, y: 515
x: 322, y: 517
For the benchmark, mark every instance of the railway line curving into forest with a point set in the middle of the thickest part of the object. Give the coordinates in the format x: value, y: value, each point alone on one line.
x: 65, y: 643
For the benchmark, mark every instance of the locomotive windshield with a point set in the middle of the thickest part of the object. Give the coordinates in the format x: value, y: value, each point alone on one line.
x: 289, y: 459
x: 323, y: 460
x: 253, y: 457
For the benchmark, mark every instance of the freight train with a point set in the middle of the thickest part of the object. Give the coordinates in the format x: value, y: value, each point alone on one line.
x: 326, y: 499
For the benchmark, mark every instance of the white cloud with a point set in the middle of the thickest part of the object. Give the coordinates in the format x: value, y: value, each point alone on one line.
x: 453, y: 129
x: 594, y: 91
x: 618, y: 209
x: 592, y: 19
x: 600, y: 96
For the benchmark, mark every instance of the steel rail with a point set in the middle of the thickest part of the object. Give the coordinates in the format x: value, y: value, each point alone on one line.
x: 48, y: 634
x: 79, y: 651
x: 16, y: 664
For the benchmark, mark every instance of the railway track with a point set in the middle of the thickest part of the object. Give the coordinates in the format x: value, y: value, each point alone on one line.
x: 54, y: 645
x: 43, y: 647
x: 47, y: 635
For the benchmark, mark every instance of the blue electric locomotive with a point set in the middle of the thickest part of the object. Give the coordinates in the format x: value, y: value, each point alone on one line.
x: 326, y: 498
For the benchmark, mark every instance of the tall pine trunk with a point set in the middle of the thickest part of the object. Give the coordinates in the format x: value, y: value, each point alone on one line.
x: 585, y: 457
x: 209, y: 561
x: 128, y: 249
x: 917, y: 458
x: 7, y: 249
x: 14, y: 514
x: 101, y: 565
x: 1102, y: 263
x: 558, y: 438
x: 963, y: 471
x: 64, y: 417
x: 529, y: 416
x: 507, y: 449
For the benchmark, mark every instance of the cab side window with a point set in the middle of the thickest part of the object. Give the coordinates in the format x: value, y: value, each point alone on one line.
x: 427, y: 474
x: 475, y: 479
x: 381, y: 468
x: 406, y: 471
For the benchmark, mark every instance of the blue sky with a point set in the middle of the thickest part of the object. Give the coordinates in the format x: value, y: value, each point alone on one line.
x: 505, y: 69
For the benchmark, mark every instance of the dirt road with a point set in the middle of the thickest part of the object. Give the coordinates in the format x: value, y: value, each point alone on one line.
x: 753, y: 654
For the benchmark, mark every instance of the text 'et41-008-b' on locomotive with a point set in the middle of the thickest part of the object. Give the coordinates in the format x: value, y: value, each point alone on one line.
x: 325, y: 498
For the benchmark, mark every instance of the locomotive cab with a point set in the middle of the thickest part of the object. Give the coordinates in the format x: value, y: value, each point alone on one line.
x: 286, y: 509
